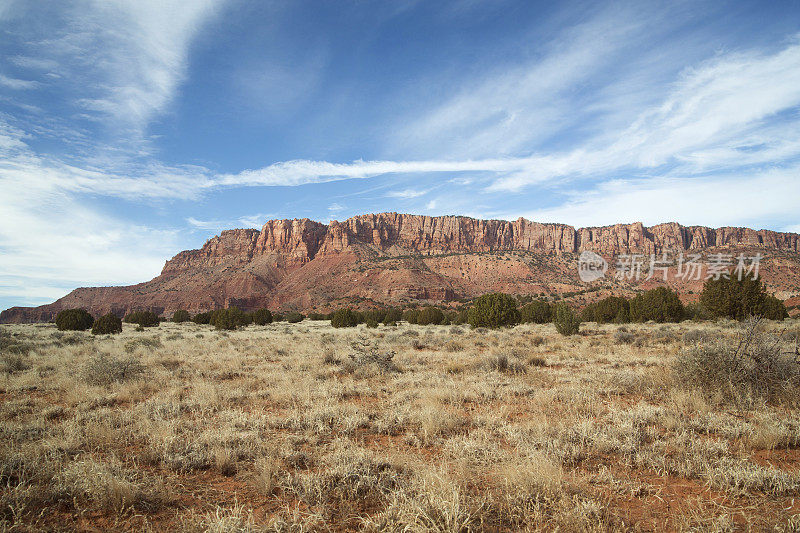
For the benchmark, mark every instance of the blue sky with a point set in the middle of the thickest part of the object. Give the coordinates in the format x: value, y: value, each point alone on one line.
x: 131, y: 130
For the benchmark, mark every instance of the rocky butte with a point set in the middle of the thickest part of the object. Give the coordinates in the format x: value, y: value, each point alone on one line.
x: 398, y: 259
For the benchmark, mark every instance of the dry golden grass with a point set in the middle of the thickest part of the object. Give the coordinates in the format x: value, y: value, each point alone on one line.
x: 439, y: 428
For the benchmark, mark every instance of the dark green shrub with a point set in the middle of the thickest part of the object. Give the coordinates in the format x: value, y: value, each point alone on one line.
x: 536, y: 312
x: 565, y: 320
x: 294, y: 317
x: 372, y: 323
x: 430, y: 315
x: 74, y: 320
x: 739, y: 299
x: 318, y: 316
x: 493, y: 311
x: 773, y: 308
x: 660, y: 305
x: 262, y: 317
x: 202, y: 318
x: 277, y: 317
x: 344, y: 318
x: 107, y: 325
x: 461, y: 317
x: 145, y: 319
x: 610, y: 309
x: 375, y: 315
x: 411, y: 316
x: 181, y: 315
x: 696, y: 311
x: 230, y: 318
x: 393, y: 314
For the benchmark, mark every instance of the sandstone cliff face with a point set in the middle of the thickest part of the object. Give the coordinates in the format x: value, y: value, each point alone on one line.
x: 392, y: 257
x: 395, y: 234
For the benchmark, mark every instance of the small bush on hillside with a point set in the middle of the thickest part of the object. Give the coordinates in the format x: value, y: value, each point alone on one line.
x: 74, y: 320
x: 145, y: 319
x: 493, y: 311
x: 107, y: 325
x: 371, y: 323
x: 103, y: 369
x: 230, y: 318
x: 536, y: 312
x: 565, y: 320
x: 367, y: 353
x: 430, y: 316
x: 202, y: 318
x: 318, y: 316
x: 13, y: 364
x: 180, y: 316
x: 262, y: 317
x: 277, y: 317
x: 344, y: 318
x: 693, y: 336
x: 500, y: 363
x: 755, y: 366
x: 660, y: 305
x: 294, y: 317
x: 12, y: 343
x: 623, y: 336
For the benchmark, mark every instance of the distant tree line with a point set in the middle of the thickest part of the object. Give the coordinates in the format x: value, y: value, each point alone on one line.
x: 720, y: 298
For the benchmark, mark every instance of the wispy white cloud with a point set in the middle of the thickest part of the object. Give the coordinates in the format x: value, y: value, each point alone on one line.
x: 751, y: 199
x: 37, y: 63
x: 126, y: 58
x: 512, y: 107
x: 204, y: 224
x: 255, y: 221
x: 56, y: 243
x: 17, y: 84
x: 714, y: 117
x: 406, y: 194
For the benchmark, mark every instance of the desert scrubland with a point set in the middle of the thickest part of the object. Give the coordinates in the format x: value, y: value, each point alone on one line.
x: 296, y: 427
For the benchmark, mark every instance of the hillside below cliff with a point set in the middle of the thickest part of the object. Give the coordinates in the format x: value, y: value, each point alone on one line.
x: 400, y: 259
